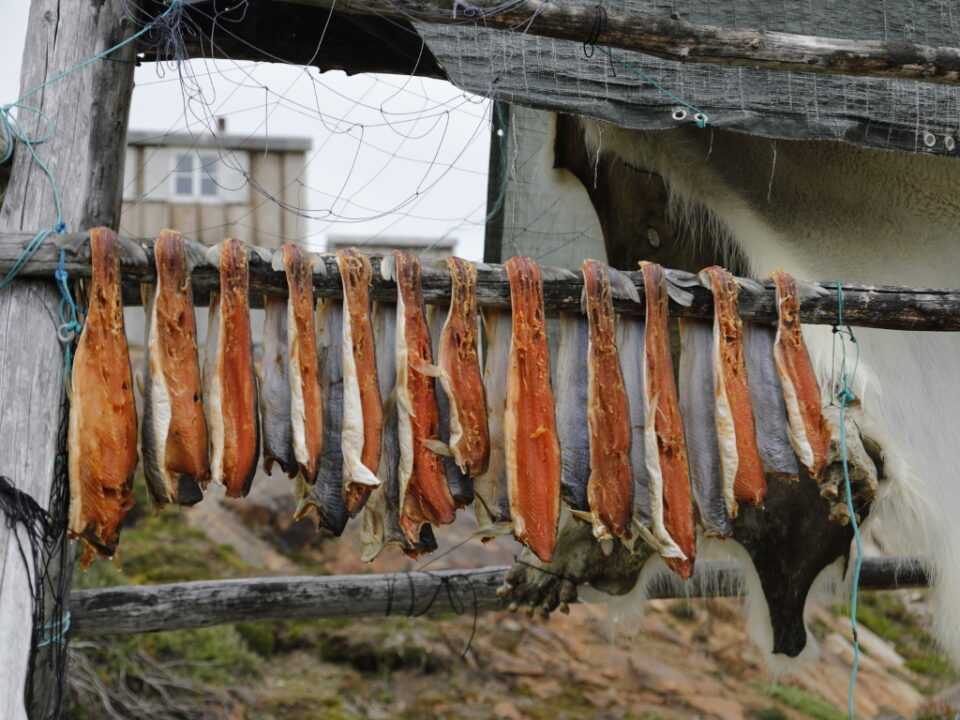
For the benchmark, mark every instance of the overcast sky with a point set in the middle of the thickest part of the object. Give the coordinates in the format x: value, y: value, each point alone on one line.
x: 391, y: 155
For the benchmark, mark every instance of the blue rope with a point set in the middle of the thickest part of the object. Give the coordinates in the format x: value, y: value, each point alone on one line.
x: 61, y: 628
x: 699, y: 115
x: 845, y: 396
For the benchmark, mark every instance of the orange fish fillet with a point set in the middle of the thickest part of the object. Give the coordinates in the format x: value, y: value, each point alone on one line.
x: 460, y: 374
x: 736, y: 433
x: 174, y: 433
x: 363, y: 411
x: 102, y: 435
x: 610, y: 488
x: 809, y: 433
x: 530, y: 431
x: 666, y: 449
x: 306, y: 404
x: 230, y: 389
x: 424, y: 495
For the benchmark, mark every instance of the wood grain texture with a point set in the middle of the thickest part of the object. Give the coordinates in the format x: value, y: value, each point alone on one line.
x: 89, y: 110
x: 132, y: 609
x: 879, y: 306
x: 678, y: 40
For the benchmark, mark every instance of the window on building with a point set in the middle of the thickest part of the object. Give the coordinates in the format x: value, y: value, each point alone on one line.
x: 195, y: 175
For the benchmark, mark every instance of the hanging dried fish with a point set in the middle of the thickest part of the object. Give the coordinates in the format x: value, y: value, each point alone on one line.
x: 532, y: 447
x: 102, y: 434
x: 766, y: 394
x: 809, y: 433
x: 665, y: 452
x: 492, y: 504
x: 610, y: 488
x: 461, y: 486
x: 174, y: 430
x: 230, y: 390
x: 362, y: 408
x: 424, y: 495
x: 380, y: 519
x: 739, y: 461
x: 325, y: 496
x: 697, y: 387
x: 573, y: 429
x: 275, y: 413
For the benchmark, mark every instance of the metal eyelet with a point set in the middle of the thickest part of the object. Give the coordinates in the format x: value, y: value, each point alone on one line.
x: 679, y: 114
x: 949, y: 143
x: 929, y: 139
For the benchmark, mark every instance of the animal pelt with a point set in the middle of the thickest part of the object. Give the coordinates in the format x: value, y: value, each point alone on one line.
x: 824, y: 211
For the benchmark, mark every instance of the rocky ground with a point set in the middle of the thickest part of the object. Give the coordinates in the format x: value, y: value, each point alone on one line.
x: 686, y: 659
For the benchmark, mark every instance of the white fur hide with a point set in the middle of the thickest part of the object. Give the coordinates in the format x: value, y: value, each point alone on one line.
x: 828, y: 211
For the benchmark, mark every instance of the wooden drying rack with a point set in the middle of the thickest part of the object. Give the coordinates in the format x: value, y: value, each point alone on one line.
x: 877, y: 306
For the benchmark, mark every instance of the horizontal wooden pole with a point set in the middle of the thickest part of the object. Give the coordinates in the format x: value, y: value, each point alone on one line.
x: 879, y: 306
x: 674, y: 39
x: 131, y: 609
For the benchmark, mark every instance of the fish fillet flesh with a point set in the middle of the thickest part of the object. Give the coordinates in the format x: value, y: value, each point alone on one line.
x: 380, y: 519
x: 736, y: 434
x: 325, y: 496
x: 696, y: 387
x: 610, y: 488
x: 174, y: 430
x: 458, y: 356
x: 665, y: 452
x: 461, y: 486
x: 275, y: 415
x: 809, y: 433
x: 491, y: 501
x: 766, y: 394
x: 530, y: 431
x: 424, y: 495
x: 630, y: 340
x: 306, y: 403
x: 230, y: 390
x: 362, y: 407
x: 102, y: 435
x: 572, y: 427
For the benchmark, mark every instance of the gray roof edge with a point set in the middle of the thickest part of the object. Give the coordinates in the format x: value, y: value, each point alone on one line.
x: 233, y: 142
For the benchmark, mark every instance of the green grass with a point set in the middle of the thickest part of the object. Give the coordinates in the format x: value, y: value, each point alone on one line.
x: 804, y: 702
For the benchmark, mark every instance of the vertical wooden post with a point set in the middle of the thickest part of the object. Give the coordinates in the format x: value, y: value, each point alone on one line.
x: 89, y: 109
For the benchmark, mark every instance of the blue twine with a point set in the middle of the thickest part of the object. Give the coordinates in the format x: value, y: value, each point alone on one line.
x: 699, y: 115
x: 845, y: 396
x: 60, y: 636
x: 14, y: 131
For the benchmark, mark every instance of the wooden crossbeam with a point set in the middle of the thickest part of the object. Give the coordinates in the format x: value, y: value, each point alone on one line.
x: 131, y: 609
x: 672, y: 38
x: 878, y: 306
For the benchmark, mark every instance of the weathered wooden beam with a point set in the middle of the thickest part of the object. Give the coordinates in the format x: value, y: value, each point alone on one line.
x: 131, y: 609
x: 879, y: 306
x: 88, y: 110
x: 675, y: 39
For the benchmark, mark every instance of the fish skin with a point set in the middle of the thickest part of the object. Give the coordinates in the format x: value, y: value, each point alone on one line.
x: 325, y: 496
x: 630, y: 340
x: 275, y: 413
x: 491, y: 501
x: 424, y: 495
x: 665, y: 445
x: 363, y: 409
x: 458, y: 357
x: 572, y: 427
x: 380, y: 518
x: 461, y: 486
x: 703, y: 452
x: 102, y: 431
x: 766, y: 394
x: 809, y: 433
x: 532, y: 447
x: 174, y: 429
x: 736, y: 431
x: 610, y: 488
x: 306, y: 401
x: 231, y: 403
